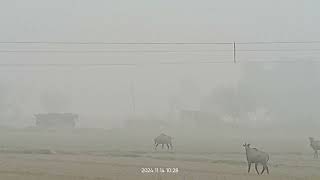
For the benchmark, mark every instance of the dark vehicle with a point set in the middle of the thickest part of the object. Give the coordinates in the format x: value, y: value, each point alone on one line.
x: 56, y: 120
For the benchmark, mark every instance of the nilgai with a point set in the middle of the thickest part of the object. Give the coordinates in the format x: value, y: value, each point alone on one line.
x: 256, y: 156
x: 163, y: 139
x: 315, y: 145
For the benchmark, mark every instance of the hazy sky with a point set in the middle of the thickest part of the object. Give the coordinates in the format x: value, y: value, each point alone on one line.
x: 102, y: 93
x: 159, y: 20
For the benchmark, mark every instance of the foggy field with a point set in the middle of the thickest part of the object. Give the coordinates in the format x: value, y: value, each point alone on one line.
x: 93, y: 90
x: 120, y: 154
x: 85, y: 167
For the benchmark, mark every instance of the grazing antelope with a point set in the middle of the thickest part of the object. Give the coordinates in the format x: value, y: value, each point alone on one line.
x: 256, y: 156
x: 163, y: 139
x: 315, y: 145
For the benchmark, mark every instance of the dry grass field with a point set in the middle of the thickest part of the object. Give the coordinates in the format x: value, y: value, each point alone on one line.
x: 92, y: 155
x: 89, y: 167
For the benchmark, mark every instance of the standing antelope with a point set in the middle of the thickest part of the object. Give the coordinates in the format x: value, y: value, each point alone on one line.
x: 256, y: 156
x: 163, y: 139
x: 315, y: 145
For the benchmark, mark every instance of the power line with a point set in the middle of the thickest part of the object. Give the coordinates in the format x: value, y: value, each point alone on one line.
x: 113, y: 64
x: 277, y: 50
x: 112, y: 43
x: 279, y: 61
x: 280, y: 42
x: 111, y: 51
x: 154, y: 43
x: 157, y: 51
x: 156, y: 63
x: 65, y: 65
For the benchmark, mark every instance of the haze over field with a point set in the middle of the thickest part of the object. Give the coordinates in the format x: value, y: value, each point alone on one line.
x: 211, y: 74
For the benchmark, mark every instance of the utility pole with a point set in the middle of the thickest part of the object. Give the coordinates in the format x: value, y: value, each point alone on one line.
x: 234, y: 52
x: 133, y: 99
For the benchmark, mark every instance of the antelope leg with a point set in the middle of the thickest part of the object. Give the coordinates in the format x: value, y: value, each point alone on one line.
x: 256, y: 167
x: 263, y: 169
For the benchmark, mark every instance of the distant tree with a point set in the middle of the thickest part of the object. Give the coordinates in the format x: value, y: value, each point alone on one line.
x: 55, y: 101
x: 290, y: 92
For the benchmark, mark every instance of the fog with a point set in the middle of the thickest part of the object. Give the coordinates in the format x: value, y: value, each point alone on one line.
x: 165, y: 80
x: 132, y: 70
x: 107, y: 96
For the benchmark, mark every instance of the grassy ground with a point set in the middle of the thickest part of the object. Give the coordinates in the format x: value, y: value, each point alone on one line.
x: 87, y: 167
x: 32, y: 154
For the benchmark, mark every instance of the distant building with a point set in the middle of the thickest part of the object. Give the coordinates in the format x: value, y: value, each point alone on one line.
x: 56, y: 120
